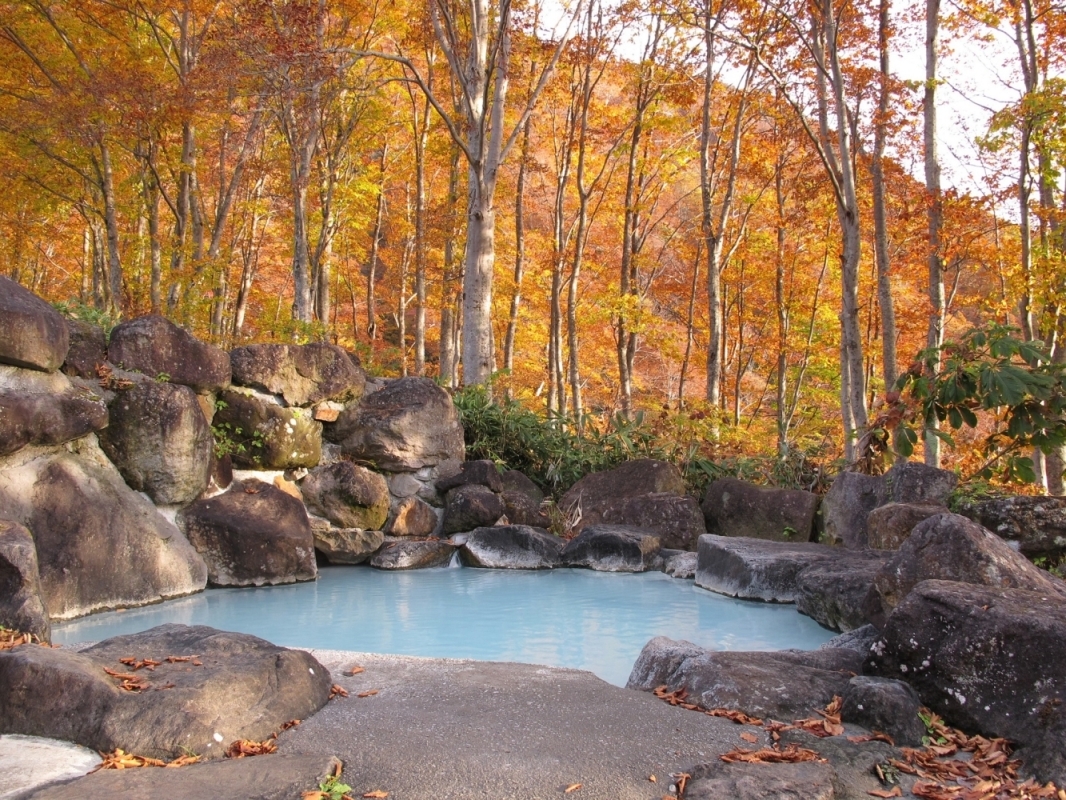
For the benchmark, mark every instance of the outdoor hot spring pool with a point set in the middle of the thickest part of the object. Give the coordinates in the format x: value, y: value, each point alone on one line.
x: 564, y: 618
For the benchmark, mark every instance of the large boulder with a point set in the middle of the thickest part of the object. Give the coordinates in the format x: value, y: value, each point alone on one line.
x: 88, y: 349
x: 100, y: 544
x: 347, y: 545
x: 348, y: 495
x: 733, y: 507
x: 254, y: 534
x: 33, y: 334
x: 613, y: 548
x: 266, y: 435
x: 833, y: 591
x: 676, y: 519
x: 523, y: 500
x: 21, y: 607
x: 586, y: 499
x: 849, y: 501
x: 482, y: 472
x: 782, y: 685
x: 886, y: 705
x: 989, y: 660
x: 160, y: 441
x: 302, y: 374
x: 511, y: 547
x: 953, y: 548
x: 240, y: 687
x: 471, y: 506
x: 30, y: 416
x: 156, y: 346
x: 847, y: 506
x: 417, y: 554
x: 1037, y: 525
x: 409, y: 424
x: 889, y: 525
x: 755, y: 569
x: 412, y: 516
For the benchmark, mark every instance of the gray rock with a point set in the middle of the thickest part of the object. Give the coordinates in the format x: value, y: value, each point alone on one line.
x: 833, y: 592
x: 270, y: 436
x: 847, y: 506
x: 914, y: 482
x: 471, y: 506
x: 681, y: 565
x: 586, y: 499
x: 253, y: 534
x: 522, y: 509
x: 348, y: 495
x: 676, y: 519
x: 88, y: 349
x: 302, y: 374
x: 511, y: 547
x: 402, y: 554
x: 409, y: 424
x: 21, y: 607
x: 160, y: 441
x: 755, y: 569
x: 613, y: 548
x: 954, y: 548
x: 1036, y: 524
x: 347, y: 545
x: 515, y: 481
x: 889, y: 525
x: 34, y: 335
x: 803, y: 781
x: 82, y: 515
x: 852, y: 762
x: 412, y: 516
x: 47, y: 418
x: 733, y: 507
x: 153, y: 345
x: 885, y: 705
x: 277, y: 777
x: 782, y: 685
x: 989, y: 660
x: 482, y: 472
x: 403, y: 484
x: 860, y: 640
x: 244, y: 688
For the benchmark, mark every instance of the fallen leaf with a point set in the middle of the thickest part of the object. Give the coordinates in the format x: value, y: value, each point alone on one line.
x: 792, y: 754
x: 337, y: 691
x: 652, y: 778
x: 314, y: 795
x: 573, y: 787
x: 749, y: 737
x: 183, y: 761
x: 368, y: 693
x: 120, y: 759
x: 292, y: 723
x: 354, y: 670
x: 244, y: 747
x: 738, y: 717
x: 377, y: 793
x: 896, y: 792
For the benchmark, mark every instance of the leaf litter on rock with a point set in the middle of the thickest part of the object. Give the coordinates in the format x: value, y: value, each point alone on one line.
x: 988, y: 774
x: 120, y: 759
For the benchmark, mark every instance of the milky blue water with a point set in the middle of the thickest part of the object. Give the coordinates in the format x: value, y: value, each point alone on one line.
x: 564, y: 618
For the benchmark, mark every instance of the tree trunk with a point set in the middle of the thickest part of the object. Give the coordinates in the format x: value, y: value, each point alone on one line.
x: 935, y: 212
x: 890, y: 370
x: 375, y: 252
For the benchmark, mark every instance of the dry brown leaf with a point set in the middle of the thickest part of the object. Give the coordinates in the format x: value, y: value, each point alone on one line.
x: 183, y: 761
x: 244, y: 747
x: 120, y: 759
x: 895, y: 792
x: 573, y: 787
x: 738, y: 717
x: 292, y: 723
x: 652, y: 778
x: 749, y: 737
x: 792, y: 754
x: 355, y: 669
x: 876, y: 736
x: 368, y: 693
x: 377, y: 793
x: 337, y: 691
x: 682, y: 779
x: 314, y: 794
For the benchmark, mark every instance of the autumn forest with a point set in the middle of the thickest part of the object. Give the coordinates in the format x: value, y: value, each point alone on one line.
x: 726, y: 216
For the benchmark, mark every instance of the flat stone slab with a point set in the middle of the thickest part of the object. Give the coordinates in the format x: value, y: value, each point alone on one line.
x: 29, y: 762
x: 755, y: 569
x: 271, y: 777
x: 804, y: 781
